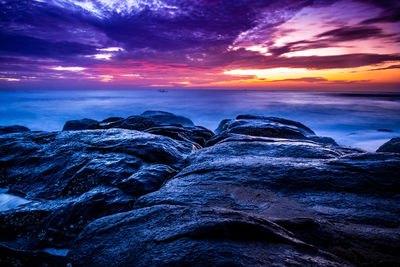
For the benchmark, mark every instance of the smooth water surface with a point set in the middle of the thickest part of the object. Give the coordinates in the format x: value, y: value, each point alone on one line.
x: 361, y: 120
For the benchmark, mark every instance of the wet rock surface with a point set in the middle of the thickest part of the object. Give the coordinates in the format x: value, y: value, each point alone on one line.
x: 13, y: 129
x: 155, y: 190
x: 160, y: 123
x: 393, y: 145
x: 76, y: 125
x: 162, y: 117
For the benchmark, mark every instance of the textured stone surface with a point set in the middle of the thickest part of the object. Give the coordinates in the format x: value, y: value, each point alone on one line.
x: 69, y: 163
x: 76, y: 125
x: 393, y: 145
x: 264, y: 191
x: 13, y: 129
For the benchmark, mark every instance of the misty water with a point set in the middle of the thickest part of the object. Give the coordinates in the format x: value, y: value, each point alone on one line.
x: 360, y: 120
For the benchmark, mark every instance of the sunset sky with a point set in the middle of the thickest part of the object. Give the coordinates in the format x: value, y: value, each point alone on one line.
x: 251, y: 44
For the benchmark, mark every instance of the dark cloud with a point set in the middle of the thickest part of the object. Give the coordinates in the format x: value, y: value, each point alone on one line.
x: 31, y: 46
x: 389, y: 16
x: 247, y: 59
x: 304, y: 79
x: 390, y: 11
x: 353, y: 33
x: 177, y: 34
x: 387, y: 68
x: 332, y: 38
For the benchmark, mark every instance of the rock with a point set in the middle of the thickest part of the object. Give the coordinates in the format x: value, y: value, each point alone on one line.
x: 195, y: 134
x: 277, y: 120
x: 146, y: 120
x: 105, y: 124
x: 324, y: 140
x: 161, y: 123
x: 166, y: 118
x: 13, y: 129
x: 147, y: 179
x: 18, y: 257
x: 221, y: 126
x: 393, y: 145
x: 174, y: 235
x: 264, y: 191
x: 265, y: 127
x: 76, y: 177
x: 342, y: 195
x: 260, y: 126
x: 75, y: 125
x: 70, y: 163
x: 55, y: 223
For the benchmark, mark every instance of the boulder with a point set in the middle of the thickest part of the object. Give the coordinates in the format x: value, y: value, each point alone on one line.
x: 328, y: 196
x: 74, y: 178
x: 69, y: 163
x: 216, y: 210
x: 13, y: 129
x: 55, y: 223
x: 393, y: 145
x: 323, y: 140
x: 264, y: 127
x: 161, y: 123
x: 76, y: 125
x: 264, y: 191
x: 180, y: 235
x: 197, y: 135
x: 166, y: 118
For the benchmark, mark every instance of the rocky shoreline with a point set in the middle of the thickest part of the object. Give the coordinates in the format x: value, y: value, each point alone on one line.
x: 156, y: 190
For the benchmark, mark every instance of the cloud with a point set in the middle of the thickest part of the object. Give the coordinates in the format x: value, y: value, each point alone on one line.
x: 15, y: 44
x: 387, y: 68
x: 69, y: 68
x: 304, y: 79
x: 332, y: 38
x: 198, y: 39
x: 344, y: 34
x: 390, y: 11
x: 246, y: 59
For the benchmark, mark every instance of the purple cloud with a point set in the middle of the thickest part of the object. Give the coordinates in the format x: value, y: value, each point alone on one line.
x: 194, y: 35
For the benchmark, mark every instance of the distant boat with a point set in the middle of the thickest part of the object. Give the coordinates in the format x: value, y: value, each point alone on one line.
x: 163, y: 91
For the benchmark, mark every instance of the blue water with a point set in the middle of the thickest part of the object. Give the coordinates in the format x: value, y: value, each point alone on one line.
x: 351, y: 119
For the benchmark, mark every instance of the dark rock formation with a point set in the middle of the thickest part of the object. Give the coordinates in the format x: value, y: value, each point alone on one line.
x: 160, y: 123
x: 260, y: 126
x: 323, y: 140
x: 162, y: 117
x: 13, y: 129
x: 264, y: 191
x: 197, y: 135
x: 180, y: 235
x: 393, y: 145
x: 266, y: 127
x: 75, y: 177
x: 76, y: 125
x: 69, y: 163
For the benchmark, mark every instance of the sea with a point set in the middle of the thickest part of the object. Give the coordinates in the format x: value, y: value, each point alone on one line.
x: 362, y: 120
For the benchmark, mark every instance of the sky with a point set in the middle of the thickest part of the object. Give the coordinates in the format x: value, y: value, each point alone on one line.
x: 212, y: 44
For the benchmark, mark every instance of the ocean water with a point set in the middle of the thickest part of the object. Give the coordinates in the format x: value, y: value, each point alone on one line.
x: 360, y: 120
